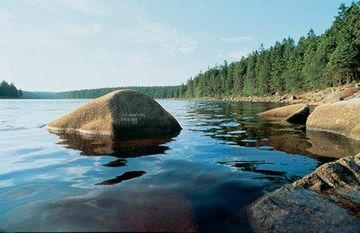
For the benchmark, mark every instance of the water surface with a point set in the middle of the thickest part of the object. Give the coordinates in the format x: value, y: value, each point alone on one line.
x: 202, y: 180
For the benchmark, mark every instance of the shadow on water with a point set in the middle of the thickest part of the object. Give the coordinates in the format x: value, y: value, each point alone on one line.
x: 120, y: 149
x: 126, y: 176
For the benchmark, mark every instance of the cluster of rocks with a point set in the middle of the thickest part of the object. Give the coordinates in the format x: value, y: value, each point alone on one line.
x: 328, y: 95
x: 327, y: 200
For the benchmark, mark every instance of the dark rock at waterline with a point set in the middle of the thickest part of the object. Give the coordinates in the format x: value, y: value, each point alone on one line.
x: 121, y: 114
x: 296, y: 114
x: 327, y: 200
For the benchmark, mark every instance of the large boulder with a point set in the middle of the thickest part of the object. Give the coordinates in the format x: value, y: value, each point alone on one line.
x: 296, y: 113
x: 327, y: 200
x: 121, y: 114
x: 341, y: 118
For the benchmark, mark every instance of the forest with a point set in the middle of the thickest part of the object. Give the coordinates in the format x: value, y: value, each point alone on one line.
x: 313, y: 62
x: 9, y: 90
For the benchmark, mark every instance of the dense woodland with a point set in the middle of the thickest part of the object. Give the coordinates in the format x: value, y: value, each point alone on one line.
x: 9, y: 90
x: 313, y: 62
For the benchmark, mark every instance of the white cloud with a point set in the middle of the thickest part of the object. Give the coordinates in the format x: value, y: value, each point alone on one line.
x: 90, y: 7
x: 237, y: 40
x: 237, y: 55
x: 5, y: 17
x: 169, y: 41
x: 81, y: 30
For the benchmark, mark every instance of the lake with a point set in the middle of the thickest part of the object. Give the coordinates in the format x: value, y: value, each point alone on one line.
x: 203, y: 180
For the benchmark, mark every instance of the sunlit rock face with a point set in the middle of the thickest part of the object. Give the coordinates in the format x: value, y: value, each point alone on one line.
x: 120, y: 114
x: 341, y: 118
x: 326, y: 200
x: 296, y: 113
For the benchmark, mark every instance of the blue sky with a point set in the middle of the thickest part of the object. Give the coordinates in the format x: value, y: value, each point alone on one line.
x: 58, y: 45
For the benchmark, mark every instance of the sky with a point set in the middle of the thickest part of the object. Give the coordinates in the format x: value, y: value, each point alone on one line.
x: 58, y: 45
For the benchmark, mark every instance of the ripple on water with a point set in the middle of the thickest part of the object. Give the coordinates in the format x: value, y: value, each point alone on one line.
x: 203, y: 179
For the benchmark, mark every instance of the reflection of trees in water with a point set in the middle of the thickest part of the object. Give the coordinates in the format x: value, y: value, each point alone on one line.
x: 251, y: 131
x: 121, y: 150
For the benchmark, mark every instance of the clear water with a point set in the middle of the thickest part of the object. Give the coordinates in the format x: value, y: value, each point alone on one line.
x: 202, y: 180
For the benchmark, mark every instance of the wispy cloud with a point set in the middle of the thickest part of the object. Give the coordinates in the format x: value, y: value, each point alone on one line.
x: 77, y: 31
x: 90, y: 7
x: 237, y: 39
x: 5, y: 17
x: 237, y: 55
x: 169, y: 41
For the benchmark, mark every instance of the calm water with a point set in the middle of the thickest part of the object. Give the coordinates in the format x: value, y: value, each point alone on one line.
x: 202, y: 180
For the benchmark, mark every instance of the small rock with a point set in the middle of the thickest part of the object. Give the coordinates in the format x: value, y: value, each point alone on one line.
x: 349, y: 91
x: 296, y: 113
x: 333, y: 97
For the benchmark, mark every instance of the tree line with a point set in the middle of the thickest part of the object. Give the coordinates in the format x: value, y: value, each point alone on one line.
x: 314, y: 62
x: 154, y: 92
x: 9, y: 90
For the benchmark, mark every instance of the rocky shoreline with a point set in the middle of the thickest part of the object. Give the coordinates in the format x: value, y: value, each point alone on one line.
x: 328, y: 95
x: 328, y: 199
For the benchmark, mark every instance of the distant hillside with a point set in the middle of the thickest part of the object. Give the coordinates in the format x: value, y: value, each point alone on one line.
x: 154, y: 92
x: 39, y: 95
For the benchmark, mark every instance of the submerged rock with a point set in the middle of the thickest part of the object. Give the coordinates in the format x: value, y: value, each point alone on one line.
x: 341, y: 118
x: 121, y: 114
x: 296, y: 113
x: 327, y: 200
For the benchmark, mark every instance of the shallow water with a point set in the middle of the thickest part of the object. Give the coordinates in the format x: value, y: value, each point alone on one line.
x: 202, y: 180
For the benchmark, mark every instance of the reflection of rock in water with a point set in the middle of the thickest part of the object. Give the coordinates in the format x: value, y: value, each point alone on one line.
x: 331, y: 145
x: 292, y: 144
x: 126, y: 176
x: 105, y: 145
x: 316, y: 143
x: 138, y: 208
